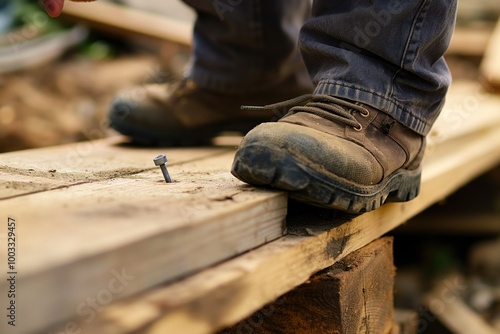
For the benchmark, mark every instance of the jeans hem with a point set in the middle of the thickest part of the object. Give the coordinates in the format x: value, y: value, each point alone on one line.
x: 383, y: 103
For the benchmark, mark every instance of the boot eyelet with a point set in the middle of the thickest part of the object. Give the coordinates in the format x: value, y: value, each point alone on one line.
x: 365, y: 113
x: 358, y: 128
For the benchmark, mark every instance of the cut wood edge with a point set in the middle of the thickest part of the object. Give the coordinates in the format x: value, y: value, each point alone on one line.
x: 225, y: 294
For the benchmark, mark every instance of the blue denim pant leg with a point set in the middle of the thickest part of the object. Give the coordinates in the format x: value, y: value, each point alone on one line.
x: 384, y: 53
x: 246, y: 45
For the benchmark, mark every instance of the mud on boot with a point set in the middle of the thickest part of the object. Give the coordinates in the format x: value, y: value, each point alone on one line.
x: 334, y: 153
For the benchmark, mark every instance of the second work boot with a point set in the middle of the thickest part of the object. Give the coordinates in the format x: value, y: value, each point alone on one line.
x: 183, y: 113
x: 333, y: 153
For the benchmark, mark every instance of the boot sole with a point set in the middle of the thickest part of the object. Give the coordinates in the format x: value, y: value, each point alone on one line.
x: 268, y: 166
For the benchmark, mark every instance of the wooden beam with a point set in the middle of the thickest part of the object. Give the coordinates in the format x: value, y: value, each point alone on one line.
x: 128, y: 22
x: 468, y: 109
x: 355, y: 295
x: 223, y: 295
x: 76, y: 240
x: 490, y: 67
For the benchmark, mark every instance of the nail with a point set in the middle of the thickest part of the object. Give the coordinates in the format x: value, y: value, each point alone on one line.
x: 161, y: 160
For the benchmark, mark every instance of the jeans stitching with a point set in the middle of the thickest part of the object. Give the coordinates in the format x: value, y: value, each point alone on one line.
x: 424, y: 123
x: 414, y: 33
x: 416, y: 25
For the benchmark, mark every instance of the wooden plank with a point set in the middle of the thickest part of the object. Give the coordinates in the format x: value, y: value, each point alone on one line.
x: 12, y: 185
x: 446, y: 304
x: 74, y: 241
x: 223, y: 295
x: 355, y: 295
x: 490, y: 67
x: 468, y: 108
x: 125, y: 21
x: 35, y: 170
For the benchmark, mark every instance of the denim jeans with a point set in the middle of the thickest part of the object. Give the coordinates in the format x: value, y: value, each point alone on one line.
x: 385, y: 53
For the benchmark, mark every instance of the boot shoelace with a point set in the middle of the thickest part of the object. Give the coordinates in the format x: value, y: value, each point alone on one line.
x: 325, y: 106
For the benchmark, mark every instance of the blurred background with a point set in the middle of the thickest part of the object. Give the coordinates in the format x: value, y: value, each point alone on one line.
x: 58, y: 77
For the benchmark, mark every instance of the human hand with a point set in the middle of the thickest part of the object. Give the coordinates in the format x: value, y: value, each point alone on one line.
x: 54, y: 7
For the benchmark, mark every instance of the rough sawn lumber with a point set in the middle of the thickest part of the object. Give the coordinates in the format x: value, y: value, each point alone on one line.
x: 35, y: 170
x: 355, y: 295
x: 225, y: 294
x: 73, y: 240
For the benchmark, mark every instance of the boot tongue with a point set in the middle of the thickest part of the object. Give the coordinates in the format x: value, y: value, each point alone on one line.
x: 53, y: 7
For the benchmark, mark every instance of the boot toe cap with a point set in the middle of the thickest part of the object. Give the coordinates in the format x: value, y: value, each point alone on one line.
x: 315, y: 151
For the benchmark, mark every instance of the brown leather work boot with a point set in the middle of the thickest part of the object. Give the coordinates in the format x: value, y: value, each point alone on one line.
x: 183, y: 113
x: 333, y: 153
